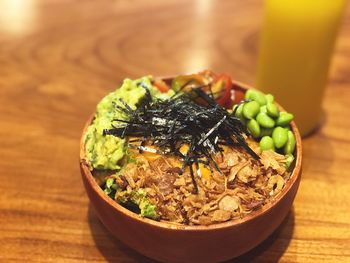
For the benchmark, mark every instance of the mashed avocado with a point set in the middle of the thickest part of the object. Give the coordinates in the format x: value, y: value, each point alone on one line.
x: 147, y: 209
x: 104, y: 152
x: 136, y: 198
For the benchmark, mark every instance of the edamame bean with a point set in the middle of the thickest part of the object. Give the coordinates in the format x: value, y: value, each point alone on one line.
x: 237, y: 109
x: 269, y: 98
x: 263, y: 109
x: 239, y: 113
x: 280, y: 137
x: 284, y: 118
x: 265, y: 120
x: 248, y: 94
x: 250, y: 109
x: 266, y: 143
x: 272, y: 110
x: 289, y: 160
x: 254, y: 128
x: 256, y: 95
x: 265, y: 132
x: 290, y: 145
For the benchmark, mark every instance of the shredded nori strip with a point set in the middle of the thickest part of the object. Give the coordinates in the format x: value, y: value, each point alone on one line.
x: 169, y: 124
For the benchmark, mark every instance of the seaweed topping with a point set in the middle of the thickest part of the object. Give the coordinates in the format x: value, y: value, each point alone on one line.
x: 166, y: 125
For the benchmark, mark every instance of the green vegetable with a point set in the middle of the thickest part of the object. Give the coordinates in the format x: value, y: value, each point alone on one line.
x: 290, y: 145
x: 263, y: 109
x: 238, y: 109
x: 284, y: 119
x: 147, y: 209
x: 266, y: 143
x: 272, y: 110
x: 251, y: 109
x: 265, y: 132
x: 109, y: 186
x: 289, y: 160
x: 109, y: 182
x: 248, y: 94
x: 268, y: 123
x: 265, y: 120
x: 280, y: 137
x: 256, y: 95
x: 234, y: 108
x: 104, y: 152
x: 239, y: 113
x: 254, y: 128
x: 269, y: 98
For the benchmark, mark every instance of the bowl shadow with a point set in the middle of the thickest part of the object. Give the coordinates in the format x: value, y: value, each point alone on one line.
x: 272, y: 248
x: 113, y: 250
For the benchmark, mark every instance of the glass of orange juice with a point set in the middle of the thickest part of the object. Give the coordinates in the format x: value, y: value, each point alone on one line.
x: 297, y: 42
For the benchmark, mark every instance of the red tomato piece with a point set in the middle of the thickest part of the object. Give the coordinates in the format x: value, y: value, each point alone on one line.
x: 161, y: 85
x: 222, y: 89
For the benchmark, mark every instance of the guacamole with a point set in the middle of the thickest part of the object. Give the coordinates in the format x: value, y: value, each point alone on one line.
x: 147, y: 209
x: 138, y: 198
x: 105, y: 152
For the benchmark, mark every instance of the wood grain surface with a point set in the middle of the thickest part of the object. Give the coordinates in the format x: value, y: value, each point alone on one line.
x: 59, y: 58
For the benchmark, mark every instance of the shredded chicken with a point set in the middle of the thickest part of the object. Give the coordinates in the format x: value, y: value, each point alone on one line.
x: 243, y: 186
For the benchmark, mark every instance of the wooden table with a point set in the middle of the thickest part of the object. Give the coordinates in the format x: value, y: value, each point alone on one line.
x: 59, y: 58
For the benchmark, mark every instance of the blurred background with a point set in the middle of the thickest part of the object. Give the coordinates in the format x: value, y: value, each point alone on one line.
x: 58, y: 58
x: 135, y: 38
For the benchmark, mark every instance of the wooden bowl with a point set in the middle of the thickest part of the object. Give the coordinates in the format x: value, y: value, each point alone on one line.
x: 179, y: 243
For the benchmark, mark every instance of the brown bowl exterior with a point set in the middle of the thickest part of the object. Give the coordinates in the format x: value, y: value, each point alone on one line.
x: 169, y: 242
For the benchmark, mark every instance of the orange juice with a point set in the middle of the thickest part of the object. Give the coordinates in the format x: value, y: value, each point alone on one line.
x: 295, y: 51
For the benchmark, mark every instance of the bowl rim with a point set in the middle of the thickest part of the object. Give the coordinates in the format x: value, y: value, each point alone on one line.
x: 294, y: 177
